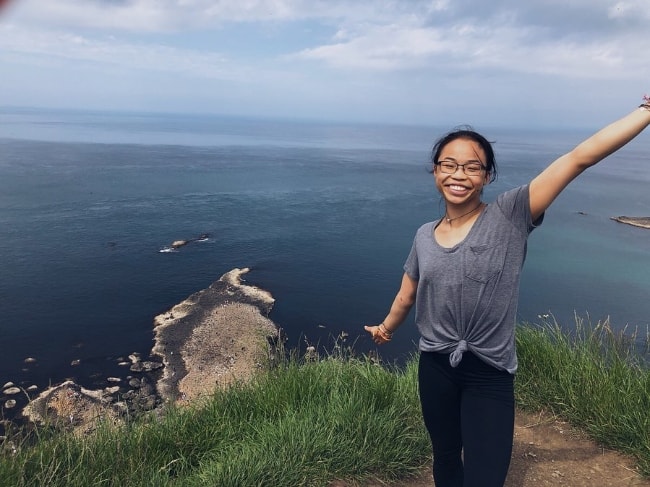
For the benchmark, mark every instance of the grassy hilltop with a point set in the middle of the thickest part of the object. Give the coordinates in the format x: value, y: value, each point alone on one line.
x: 310, y: 422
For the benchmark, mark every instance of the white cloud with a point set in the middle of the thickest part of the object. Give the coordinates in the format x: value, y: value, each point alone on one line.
x: 67, y: 46
x: 384, y: 36
x: 164, y: 15
x: 141, y: 15
x: 466, y: 46
x: 388, y: 47
x: 370, y: 52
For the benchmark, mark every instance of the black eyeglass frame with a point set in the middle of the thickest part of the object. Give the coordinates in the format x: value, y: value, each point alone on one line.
x: 462, y: 166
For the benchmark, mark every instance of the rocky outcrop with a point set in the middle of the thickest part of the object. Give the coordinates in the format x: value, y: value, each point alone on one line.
x: 73, y: 407
x: 637, y: 221
x: 216, y: 336
x: 177, y: 244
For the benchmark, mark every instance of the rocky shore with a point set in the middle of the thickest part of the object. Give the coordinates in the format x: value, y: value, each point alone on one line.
x: 214, y: 337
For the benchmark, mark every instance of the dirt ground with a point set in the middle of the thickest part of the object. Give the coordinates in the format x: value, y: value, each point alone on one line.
x: 549, y: 452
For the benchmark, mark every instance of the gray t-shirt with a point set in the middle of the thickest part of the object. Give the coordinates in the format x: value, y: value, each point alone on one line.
x: 467, y: 294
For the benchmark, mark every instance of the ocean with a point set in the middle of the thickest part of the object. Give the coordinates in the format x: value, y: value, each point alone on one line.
x: 322, y: 213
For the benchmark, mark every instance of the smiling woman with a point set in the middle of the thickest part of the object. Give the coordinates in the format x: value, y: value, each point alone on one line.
x: 462, y: 277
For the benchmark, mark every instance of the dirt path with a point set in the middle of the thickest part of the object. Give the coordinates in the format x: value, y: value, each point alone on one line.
x: 548, y: 452
x: 551, y: 452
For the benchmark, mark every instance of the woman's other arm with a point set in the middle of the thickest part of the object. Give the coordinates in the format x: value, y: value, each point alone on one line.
x: 399, y: 310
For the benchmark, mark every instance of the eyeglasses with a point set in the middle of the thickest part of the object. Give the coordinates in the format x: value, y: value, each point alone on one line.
x: 469, y: 168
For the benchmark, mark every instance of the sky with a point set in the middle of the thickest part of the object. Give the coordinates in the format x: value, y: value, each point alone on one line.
x: 514, y: 63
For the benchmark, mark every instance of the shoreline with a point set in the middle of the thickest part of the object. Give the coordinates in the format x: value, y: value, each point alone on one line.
x: 214, y: 337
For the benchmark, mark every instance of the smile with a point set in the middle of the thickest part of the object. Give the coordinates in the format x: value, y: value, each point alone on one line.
x: 457, y: 187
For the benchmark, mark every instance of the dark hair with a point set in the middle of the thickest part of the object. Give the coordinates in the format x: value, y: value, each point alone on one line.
x: 467, y: 132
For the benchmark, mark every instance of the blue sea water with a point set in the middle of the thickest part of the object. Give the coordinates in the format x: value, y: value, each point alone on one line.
x: 323, y: 214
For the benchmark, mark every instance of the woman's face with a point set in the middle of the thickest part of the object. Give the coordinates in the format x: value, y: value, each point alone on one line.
x: 460, y: 188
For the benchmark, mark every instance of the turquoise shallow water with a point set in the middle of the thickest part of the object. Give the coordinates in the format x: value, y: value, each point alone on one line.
x: 323, y: 214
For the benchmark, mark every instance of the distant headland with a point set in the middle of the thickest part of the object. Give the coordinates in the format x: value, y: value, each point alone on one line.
x: 637, y: 221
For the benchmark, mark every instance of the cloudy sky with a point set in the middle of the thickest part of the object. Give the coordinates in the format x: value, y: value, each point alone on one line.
x: 498, y: 62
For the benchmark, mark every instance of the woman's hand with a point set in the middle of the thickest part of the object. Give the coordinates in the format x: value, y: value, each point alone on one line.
x: 379, y: 333
x: 398, y: 311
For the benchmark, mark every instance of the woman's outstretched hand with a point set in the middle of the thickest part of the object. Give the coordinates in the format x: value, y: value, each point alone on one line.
x: 399, y: 309
x: 379, y: 334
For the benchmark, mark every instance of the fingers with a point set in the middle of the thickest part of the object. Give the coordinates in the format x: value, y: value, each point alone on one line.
x: 375, y: 334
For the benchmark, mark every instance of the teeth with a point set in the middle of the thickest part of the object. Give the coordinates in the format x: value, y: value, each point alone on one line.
x: 456, y: 187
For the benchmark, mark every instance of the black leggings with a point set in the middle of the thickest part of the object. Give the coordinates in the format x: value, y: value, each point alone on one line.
x: 469, y: 413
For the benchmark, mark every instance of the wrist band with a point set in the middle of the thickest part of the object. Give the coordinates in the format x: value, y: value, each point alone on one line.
x: 385, y: 334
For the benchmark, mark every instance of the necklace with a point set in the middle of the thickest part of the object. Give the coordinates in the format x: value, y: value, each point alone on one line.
x: 449, y: 220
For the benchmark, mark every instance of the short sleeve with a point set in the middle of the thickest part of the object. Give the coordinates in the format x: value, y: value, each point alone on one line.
x: 515, y: 206
x: 411, y: 266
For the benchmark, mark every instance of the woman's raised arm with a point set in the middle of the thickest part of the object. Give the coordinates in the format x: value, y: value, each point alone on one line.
x: 550, y: 182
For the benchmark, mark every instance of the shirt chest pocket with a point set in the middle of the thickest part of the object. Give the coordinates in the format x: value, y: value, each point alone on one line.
x: 484, y: 262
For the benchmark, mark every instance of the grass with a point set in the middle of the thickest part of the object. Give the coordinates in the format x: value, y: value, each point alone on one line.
x: 340, y: 417
x: 297, y: 424
x: 594, y: 378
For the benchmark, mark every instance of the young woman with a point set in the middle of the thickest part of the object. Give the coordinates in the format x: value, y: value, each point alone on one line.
x: 463, y: 275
